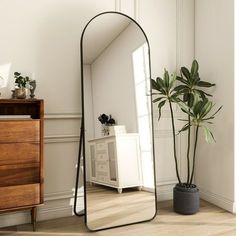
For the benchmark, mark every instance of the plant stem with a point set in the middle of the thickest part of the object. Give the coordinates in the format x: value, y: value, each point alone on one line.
x: 188, y: 150
x: 194, y: 154
x: 173, y: 132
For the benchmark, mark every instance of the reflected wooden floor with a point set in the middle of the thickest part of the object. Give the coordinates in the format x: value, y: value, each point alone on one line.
x: 107, y: 208
x: 210, y: 221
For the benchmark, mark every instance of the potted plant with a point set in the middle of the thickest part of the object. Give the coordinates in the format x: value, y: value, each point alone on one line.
x: 20, y: 83
x: 193, y: 101
x: 106, y: 121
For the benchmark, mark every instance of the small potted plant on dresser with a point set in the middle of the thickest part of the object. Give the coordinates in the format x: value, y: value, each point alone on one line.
x: 193, y: 102
x: 20, y: 83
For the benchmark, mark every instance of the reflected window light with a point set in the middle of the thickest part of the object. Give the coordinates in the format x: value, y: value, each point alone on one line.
x: 141, y: 76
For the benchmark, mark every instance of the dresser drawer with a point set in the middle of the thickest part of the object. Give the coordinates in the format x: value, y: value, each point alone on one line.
x: 11, y: 175
x: 101, y: 146
x: 19, y: 196
x: 102, y: 178
x: 102, y: 157
x: 16, y: 153
x: 19, y: 131
x: 102, y: 167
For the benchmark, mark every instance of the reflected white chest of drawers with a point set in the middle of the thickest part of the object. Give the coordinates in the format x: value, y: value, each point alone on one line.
x: 115, y: 161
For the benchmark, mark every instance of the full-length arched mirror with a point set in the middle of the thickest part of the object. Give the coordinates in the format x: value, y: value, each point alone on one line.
x: 119, y: 162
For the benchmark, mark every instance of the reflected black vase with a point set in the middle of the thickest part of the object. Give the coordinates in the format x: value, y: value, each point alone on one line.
x: 186, y: 201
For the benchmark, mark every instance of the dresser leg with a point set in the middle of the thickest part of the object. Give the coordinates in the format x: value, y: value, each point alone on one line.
x: 33, y: 218
x: 119, y: 190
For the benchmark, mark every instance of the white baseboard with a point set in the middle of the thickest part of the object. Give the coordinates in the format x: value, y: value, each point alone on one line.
x: 15, y: 218
x: 165, y: 192
x: 52, y: 209
x: 217, y: 200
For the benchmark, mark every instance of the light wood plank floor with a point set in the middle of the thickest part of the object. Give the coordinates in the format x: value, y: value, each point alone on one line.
x: 106, y: 208
x: 210, y: 221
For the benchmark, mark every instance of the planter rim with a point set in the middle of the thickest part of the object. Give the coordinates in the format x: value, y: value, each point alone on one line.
x: 183, y: 188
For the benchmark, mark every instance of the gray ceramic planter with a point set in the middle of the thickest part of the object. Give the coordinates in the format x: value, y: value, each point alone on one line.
x: 186, y: 200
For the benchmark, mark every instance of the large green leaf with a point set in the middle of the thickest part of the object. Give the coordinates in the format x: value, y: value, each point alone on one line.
x: 180, y: 88
x: 186, y: 97
x: 198, y: 106
x: 186, y: 73
x: 205, y: 84
x: 154, y: 84
x: 203, y: 92
x: 166, y: 79
x: 158, y: 99
x: 185, y: 109
x: 181, y: 79
x: 190, y: 100
x: 194, y: 69
x: 196, y: 79
x: 206, y: 109
x: 161, y: 84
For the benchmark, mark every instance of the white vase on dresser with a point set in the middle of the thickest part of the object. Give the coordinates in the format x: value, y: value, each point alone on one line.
x: 115, y: 161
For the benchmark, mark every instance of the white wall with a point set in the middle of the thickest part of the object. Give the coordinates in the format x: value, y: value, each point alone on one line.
x: 42, y: 37
x: 113, y: 83
x: 170, y: 29
x: 214, y: 50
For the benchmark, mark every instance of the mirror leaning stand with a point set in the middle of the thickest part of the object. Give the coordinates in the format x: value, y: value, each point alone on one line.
x: 81, y: 154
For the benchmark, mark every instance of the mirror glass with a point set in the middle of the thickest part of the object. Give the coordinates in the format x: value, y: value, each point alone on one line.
x: 120, y: 186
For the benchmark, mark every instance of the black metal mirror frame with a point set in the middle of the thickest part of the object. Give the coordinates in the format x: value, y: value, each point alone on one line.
x: 82, y: 135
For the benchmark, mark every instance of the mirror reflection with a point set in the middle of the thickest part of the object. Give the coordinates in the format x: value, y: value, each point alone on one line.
x: 118, y: 126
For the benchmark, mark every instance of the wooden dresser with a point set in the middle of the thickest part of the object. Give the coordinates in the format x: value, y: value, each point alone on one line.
x: 21, y: 155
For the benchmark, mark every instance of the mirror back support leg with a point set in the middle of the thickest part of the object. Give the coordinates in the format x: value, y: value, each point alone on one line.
x: 80, y: 213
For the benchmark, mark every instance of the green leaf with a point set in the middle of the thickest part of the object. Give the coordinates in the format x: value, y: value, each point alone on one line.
x: 182, y: 119
x: 154, y: 85
x: 157, y: 99
x: 185, y: 127
x: 179, y: 88
x: 185, y: 109
x: 217, y: 111
x: 196, y: 79
x: 209, y: 122
x: 194, y: 68
x: 190, y: 100
x: 209, y: 118
x: 212, y: 136
x: 205, y: 109
x: 201, y: 94
x: 160, y: 105
x: 166, y: 79
x: 208, y: 135
x: 200, y: 91
x: 198, y: 107
x: 205, y: 84
x: 161, y: 85
x: 182, y: 80
x: 172, y: 81
x: 185, y: 97
x: 186, y: 73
